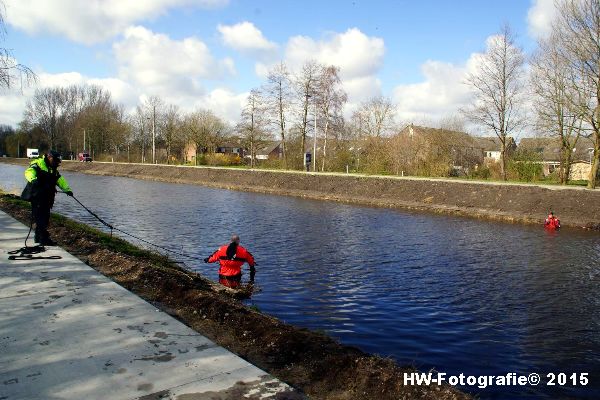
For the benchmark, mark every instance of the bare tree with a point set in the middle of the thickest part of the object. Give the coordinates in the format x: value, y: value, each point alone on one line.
x: 204, y: 130
x: 375, y: 118
x: 252, y: 124
x: 305, y: 84
x: 578, y: 29
x: 171, y: 129
x: 66, y: 114
x: 498, y: 89
x: 331, y: 101
x: 550, y: 83
x: 46, y: 110
x: 153, y: 107
x: 279, y: 95
x: 11, y: 71
x: 452, y: 123
x: 140, y: 124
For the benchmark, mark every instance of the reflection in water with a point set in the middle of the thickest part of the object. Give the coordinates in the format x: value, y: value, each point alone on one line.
x: 454, y: 294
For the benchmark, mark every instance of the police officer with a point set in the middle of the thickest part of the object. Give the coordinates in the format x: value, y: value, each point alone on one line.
x: 43, y: 177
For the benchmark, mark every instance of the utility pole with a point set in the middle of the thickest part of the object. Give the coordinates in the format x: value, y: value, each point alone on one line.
x: 83, y: 141
x: 315, y: 140
x: 153, y: 134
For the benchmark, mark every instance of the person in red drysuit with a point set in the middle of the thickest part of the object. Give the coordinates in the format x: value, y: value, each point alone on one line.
x: 231, y: 257
x: 552, y: 222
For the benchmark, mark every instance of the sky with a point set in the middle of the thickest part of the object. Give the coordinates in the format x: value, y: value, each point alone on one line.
x: 211, y: 53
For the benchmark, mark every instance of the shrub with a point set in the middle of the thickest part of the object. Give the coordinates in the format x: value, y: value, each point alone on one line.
x: 481, y: 172
x: 220, y: 159
x: 525, y: 166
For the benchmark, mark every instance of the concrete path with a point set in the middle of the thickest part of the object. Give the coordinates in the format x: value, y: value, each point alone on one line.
x: 68, y: 332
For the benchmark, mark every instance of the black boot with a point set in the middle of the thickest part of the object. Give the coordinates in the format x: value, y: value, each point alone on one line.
x: 48, y: 242
x: 45, y: 239
x: 39, y: 236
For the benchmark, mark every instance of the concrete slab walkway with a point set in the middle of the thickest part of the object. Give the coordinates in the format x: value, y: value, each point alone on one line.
x: 68, y: 332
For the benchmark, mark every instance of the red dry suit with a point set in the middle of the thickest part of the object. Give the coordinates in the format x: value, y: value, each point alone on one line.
x: 552, y: 222
x: 231, y: 267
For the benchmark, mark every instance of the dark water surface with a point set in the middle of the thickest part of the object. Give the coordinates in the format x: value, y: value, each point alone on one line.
x: 455, y: 294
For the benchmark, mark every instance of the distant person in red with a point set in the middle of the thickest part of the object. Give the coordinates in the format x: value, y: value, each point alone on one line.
x: 552, y: 222
x: 231, y: 257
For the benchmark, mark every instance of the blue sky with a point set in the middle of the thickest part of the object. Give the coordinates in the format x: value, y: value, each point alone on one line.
x: 211, y: 53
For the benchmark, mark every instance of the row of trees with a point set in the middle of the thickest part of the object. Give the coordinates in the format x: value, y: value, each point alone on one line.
x: 565, y: 81
x: 290, y: 108
x: 293, y: 108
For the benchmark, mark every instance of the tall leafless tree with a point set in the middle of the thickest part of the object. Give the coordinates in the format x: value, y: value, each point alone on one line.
x: 11, y: 71
x: 306, y: 84
x: 331, y: 100
x: 204, y: 130
x: 278, y: 95
x: 252, y: 124
x: 550, y: 83
x: 499, y: 90
x: 577, y: 27
x: 153, y: 107
x: 46, y: 110
x: 171, y: 129
x: 375, y: 118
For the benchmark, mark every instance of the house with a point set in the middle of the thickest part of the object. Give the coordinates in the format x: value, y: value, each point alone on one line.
x: 231, y: 145
x: 271, y: 150
x: 492, y: 148
x: 549, y: 150
x: 459, y: 148
x: 580, y: 170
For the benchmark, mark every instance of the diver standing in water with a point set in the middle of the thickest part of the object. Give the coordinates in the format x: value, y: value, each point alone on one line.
x: 231, y: 257
x: 552, y: 222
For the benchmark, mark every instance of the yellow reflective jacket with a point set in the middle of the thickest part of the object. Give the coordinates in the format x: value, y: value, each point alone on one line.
x: 45, y: 177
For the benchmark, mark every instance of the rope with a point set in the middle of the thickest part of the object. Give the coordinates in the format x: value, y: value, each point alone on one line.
x: 27, y: 252
x: 136, y: 237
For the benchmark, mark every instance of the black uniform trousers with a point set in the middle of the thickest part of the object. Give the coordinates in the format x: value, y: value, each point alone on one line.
x: 41, y: 216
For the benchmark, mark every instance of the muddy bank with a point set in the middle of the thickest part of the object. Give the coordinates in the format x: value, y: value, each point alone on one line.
x: 576, y: 207
x: 312, y: 362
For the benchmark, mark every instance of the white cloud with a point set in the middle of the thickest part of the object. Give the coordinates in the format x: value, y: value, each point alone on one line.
x: 149, y: 64
x: 166, y: 67
x: 355, y: 53
x: 441, y: 93
x: 540, y: 16
x: 358, y: 56
x: 11, y: 108
x: 89, y: 21
x: 246, y: 38
x: 360, y: 90
x: 225, y: 104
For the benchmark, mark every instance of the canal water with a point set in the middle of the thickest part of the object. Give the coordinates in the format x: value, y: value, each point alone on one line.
x: 454, y: 294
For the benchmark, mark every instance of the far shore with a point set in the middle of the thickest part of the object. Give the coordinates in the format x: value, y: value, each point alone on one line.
x: 576, y: 207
